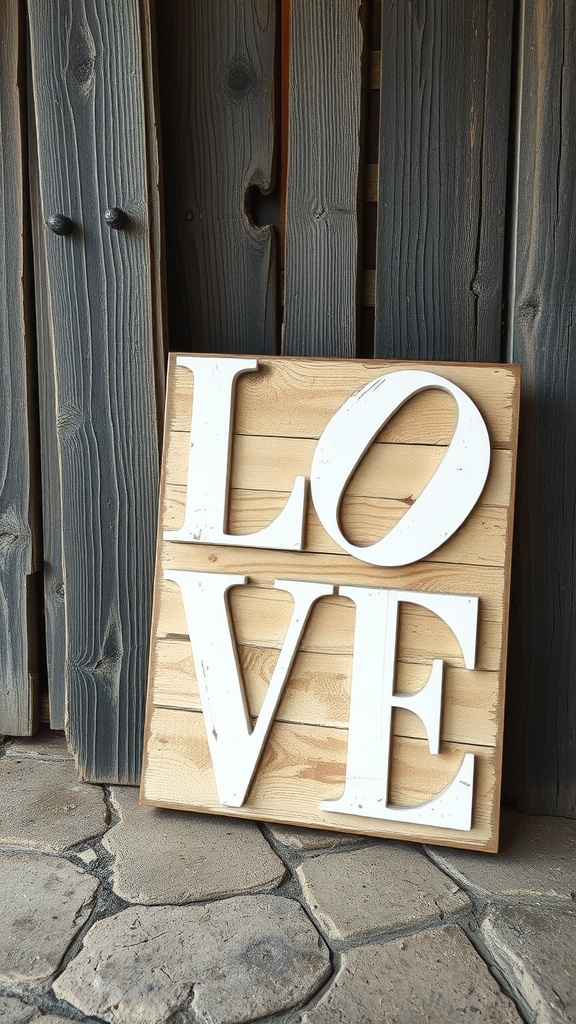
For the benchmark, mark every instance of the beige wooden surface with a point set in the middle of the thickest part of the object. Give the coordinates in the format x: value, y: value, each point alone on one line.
x: 304, y: 765
x: 428, y: 419
x: 280, y: 411
x: 364, y: 520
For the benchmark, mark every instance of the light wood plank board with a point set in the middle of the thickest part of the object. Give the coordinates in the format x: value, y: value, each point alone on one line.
x: 311, y: 762
x: 428, y: 419
x: 304, y: 757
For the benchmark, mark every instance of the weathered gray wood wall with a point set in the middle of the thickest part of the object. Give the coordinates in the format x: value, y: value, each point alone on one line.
x: 19, y: 551
x: 402, y: 180
x: 98, y: 337
x: 541, y: 733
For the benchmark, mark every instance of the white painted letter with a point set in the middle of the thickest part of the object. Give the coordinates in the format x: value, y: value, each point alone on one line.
x: 235, y: 748
x: 205, y: 520
x: 447, y: 499
x: 372, y: 700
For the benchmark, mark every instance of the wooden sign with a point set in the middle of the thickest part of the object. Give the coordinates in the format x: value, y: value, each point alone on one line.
x: 331, y: 595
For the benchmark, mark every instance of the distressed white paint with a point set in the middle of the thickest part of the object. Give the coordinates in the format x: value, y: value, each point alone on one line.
x: 205, y: 519
x: 235, y: 747
x: 373, y: 699
x: 447, y: 499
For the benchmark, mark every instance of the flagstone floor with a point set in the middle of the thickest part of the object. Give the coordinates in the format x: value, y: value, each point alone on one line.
x: 114, y: 912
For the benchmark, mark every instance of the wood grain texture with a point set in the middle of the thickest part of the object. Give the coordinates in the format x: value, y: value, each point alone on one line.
x: 315, y: 707
x: 427, y: 418
x: 323, y: 175
x: 403, y: 469
x: 216, y: 71
x: 320, y: 688
x: 53, y: 569
x: 364, y: 520
x: 158, y: 294
x: 88, y: 93
x: 18, y: 684
x: 541, y: 752
x: 177, y: 767
x: 445, y: 72
x: 260, y: 616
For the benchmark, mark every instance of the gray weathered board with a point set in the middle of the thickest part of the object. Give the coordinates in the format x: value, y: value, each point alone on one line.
x: 218, y: 122
x: 18, y: 631
x: 53, y: 574
x: 444, y: 121
x: 322, y: 262
x: 100, y: 333
x: 541, y: 757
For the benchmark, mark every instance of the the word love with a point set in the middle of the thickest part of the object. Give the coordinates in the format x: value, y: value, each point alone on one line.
x: 331, y: 591
x: 235, y: 746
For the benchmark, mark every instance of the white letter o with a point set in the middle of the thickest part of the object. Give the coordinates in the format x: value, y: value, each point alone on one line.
x: 448, y: 497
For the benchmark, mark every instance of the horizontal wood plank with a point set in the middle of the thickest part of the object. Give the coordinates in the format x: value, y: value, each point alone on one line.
x: 318, y: 691
x: 364, y: 520
x: 265, y: 566
x: 261, y: 616
x: 428, y: 418
x: 393, y: 471
x: 178, y: 761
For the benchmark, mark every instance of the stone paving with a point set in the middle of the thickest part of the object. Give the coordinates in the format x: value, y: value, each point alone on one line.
x: 114, y: 912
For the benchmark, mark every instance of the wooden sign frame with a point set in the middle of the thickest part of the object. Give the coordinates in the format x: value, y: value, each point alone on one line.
x: 356, y: 682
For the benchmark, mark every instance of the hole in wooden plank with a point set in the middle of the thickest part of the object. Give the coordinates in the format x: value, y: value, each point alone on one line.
x: 262, y: 208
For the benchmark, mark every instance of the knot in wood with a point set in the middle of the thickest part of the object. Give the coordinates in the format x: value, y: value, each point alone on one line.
x: 70, y: 420
x: 528, y: 311
x: 239, y: 79
x: 83, y: 59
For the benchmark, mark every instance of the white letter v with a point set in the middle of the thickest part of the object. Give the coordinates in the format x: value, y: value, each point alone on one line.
x: 235, y: 748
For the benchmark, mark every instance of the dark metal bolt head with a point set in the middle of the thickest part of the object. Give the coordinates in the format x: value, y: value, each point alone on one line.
x: 60, y: 224
x: 116, y: 218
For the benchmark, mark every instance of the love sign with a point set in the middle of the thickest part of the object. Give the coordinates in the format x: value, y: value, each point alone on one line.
x: 330, y: 611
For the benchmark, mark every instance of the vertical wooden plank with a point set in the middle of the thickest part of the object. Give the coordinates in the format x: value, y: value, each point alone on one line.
x: 18, y: 685
x: 53, y: 574
x: 445, y: 76
x: 151, y: 100
x: 542, y: 705
x: 216, y: 69
x: 322, y: 184
x: 88, y: 92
